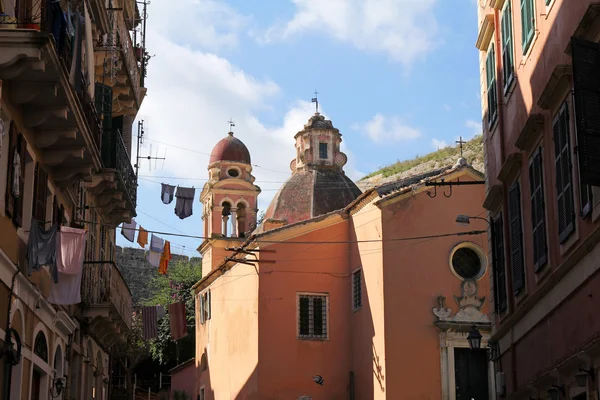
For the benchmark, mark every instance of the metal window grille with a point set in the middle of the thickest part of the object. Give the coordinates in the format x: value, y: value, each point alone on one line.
x: 312, y: 316
x: 91, y: 243
x: 357, y: 289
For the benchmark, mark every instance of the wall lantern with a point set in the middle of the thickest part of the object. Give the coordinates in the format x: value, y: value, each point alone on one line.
x: 555, y: 391
x: 474, y: 338
x: 57, y: 387
x: 318, y: 380
x: 582, y: 376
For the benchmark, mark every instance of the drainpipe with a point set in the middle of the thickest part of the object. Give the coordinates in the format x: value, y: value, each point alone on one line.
x: 7, y: 342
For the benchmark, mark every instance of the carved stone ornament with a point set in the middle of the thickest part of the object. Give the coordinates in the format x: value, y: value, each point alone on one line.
x: 469, y: 306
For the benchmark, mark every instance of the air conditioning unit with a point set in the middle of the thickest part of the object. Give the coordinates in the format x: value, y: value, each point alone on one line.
x: 500, y: 384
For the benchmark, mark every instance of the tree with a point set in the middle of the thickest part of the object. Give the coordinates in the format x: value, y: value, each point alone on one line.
x: 167, y: 289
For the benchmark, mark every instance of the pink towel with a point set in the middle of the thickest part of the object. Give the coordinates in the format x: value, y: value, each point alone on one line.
x: 70, y: 250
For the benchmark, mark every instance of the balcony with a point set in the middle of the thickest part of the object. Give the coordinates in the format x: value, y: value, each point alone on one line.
x: 42, y: 81
x: 106, y: 300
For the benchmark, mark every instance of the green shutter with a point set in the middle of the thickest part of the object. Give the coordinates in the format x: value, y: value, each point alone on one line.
x: 492, y: 91
x: 507, y: 46
x: 527, y: 23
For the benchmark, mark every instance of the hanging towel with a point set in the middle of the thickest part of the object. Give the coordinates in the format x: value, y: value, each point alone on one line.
x: 177, y: 321
x: 153, y: 257
x: 41, y: 249
x: 163, y: 266
x: 70, y: 248
x: 157, y: 244
x: 149, y: 322
x: 142, y: 237
x: 128, y: 230
x: 185, y: 201
x: 166, y: 194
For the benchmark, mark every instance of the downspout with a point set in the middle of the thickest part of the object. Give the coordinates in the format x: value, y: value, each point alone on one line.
x: 7, y: 342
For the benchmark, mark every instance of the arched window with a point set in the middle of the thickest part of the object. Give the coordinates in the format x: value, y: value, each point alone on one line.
x: 40, y: 346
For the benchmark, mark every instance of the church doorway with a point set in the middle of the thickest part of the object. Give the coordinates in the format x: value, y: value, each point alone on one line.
x: 471, y: 374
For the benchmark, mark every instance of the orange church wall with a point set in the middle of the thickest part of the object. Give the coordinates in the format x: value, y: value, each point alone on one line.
x: 367, y: 323
x: 230, y: 337
x: 416, y: 273
x: 287, y: 364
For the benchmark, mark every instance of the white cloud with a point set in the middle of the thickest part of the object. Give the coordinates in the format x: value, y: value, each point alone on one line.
x: 474, y: 127
x: 381, y: 128
x: 438, y: 144
x: 405, y: 30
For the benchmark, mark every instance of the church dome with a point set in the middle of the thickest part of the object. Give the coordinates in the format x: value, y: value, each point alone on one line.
x: 310, y: 193
x: 230, y: 148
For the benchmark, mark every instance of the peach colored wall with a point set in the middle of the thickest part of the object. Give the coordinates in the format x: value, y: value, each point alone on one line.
x: 230, y: 337
x: 287, y: 364
x: 367, y: 323
x: 185, y: 379
x: 416, y: 272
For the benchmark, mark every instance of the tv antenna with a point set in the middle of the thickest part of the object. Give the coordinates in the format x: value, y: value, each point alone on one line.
x: 140, y: 140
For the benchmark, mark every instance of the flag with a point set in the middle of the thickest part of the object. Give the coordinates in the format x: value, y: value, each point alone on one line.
x: 150, y: 322
x: 177, y: 320
x: 314, y: 100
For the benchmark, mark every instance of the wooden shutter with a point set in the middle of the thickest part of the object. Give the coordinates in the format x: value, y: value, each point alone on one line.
x: 563, y: 171
x: 586, y: 81
x: 209, y: 304
x: 40, y: 194
x: 524, y: 24
x: 12, y: 147
x: 19, y: 201
x: 499, y: 265
x: 492, y: 95
x: 538, y: 217
x: 516, y: 237
x: 201, y: 308
x: 507, y: 45
x: 527, y: 23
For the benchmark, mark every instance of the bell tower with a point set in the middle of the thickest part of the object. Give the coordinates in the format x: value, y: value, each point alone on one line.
x: 229, y: 200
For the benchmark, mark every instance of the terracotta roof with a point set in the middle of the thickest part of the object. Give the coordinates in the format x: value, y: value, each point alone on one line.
x: 230, y: 148
x: 308, y: 194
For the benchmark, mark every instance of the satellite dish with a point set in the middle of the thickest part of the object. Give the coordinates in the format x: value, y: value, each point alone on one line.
x: 318, y: 380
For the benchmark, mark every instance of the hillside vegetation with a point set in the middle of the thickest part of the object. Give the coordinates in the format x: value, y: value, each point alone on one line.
x: 472, y: 151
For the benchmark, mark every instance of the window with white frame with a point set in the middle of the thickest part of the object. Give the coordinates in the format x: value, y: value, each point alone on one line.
x: 205, y: 306
x: 357, y: 289
x: 312, y: 316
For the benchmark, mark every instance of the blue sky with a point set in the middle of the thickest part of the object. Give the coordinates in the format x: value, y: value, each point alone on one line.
x: 397, y: 77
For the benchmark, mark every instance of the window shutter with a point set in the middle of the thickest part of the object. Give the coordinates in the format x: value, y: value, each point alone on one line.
x: 492, y: 96
x: 304, y: 316
x: 507, y: 45
x: 564, y: 184
x: 538, y: 218
x: 209, y: 304
x: 201, y: 308
x: 19, y: 201
x: 524, y: 24
x: 40, y: 194
x: 8, y: 196
x: 516, y: 237
x: 586, y: 81
x: 499, y: 267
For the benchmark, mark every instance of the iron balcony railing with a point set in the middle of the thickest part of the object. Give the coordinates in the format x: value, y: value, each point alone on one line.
x: 115, y: 156
x: 103, y: 285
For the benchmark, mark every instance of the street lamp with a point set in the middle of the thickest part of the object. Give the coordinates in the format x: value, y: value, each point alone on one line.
x: 555, y: 391
x: 474, y: 338
x: 58, y: 385
x: 462, y: 219
x: 582, y: 376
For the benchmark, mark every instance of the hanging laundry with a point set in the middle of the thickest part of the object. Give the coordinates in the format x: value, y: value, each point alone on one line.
x: 149, y: 322
x: 185, y: 201
x: 163, y: 266
x: 75, y: 74
x: 156, y: 249
x: 153, y: 257
x: 166, y: 193
x: 41, y: 249
x: 70, y: 249
x: 142, y: 237
x: 177, y: 321
x: 128, y: 230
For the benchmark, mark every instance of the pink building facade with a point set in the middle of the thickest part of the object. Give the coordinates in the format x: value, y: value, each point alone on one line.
x: 540, y: 105
x: 370, y: 299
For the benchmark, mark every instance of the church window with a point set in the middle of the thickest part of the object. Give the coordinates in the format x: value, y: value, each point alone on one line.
x: 312, y: 316
x: 323, y: 151
x: 357, y: 289
x: 467, y: 261
x: 234, y: 173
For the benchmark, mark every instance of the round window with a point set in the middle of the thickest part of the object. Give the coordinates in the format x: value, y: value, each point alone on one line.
x: 466, y: 263
x: 233, y: 173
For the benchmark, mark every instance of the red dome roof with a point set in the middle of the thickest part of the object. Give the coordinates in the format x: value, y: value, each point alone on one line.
x: 230, y: 149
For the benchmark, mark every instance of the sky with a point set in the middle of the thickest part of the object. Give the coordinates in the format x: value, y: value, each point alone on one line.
x: 398, y: 78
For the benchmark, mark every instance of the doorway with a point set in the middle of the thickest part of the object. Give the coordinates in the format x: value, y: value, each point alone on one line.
x: 471, y: 374
x: 36, y: 384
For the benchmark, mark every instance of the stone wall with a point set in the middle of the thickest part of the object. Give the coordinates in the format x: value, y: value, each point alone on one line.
x: 138, y: 272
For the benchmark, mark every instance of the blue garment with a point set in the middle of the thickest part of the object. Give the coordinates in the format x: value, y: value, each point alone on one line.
x: 41, y: 249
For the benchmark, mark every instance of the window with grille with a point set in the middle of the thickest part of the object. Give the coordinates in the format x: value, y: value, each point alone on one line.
x: 312, y: 316
x: 527, y: 23
x: 205, y: 307
x: 357, y: 289
x: 538, y: 216
x: 492, y: 90
x: 507, y: 46
x: 102, y: 243
x: 516, y: 237
x: 323, y: 150
x: 563, y: 172
x: 499, y: 265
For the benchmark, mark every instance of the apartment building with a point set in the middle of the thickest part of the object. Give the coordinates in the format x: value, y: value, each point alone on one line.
x: 540, y: 89
x: 71, y: 83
